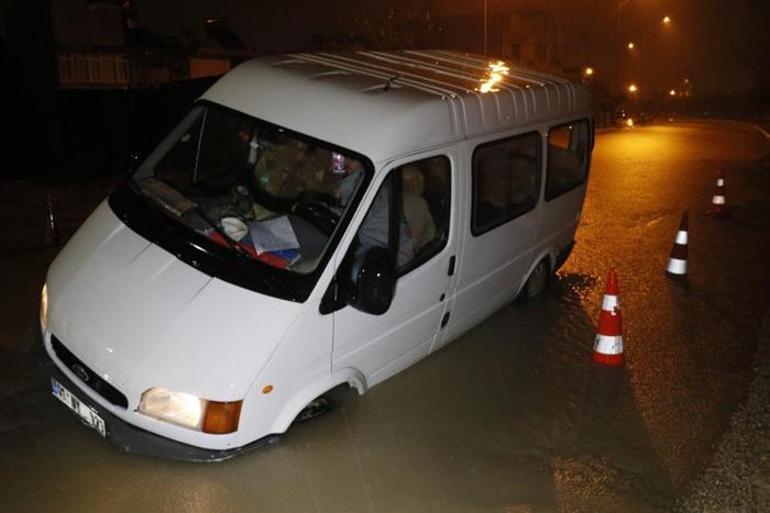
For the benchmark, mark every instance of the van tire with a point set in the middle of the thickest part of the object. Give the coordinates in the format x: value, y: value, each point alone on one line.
x: 537, y: 281
x: 315, y: 408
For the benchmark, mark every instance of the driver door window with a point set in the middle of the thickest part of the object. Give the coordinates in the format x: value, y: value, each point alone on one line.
x: 422, y: 200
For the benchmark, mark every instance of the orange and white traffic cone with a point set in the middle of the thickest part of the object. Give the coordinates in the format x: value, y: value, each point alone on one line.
x: 608, y: 347
x: 677, y: 263
x: 52, y: 237
x: 718, y: 202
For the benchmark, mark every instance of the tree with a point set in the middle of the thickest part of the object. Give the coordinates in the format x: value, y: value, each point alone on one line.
x: 391, y: 24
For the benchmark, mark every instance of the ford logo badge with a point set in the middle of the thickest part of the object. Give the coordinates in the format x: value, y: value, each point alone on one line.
x: 80, y: 372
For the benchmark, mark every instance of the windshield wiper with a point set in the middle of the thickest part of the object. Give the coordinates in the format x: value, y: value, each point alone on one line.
x: 232, y: 243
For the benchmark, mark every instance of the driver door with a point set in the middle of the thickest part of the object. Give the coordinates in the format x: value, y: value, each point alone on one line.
x: 381, y: 345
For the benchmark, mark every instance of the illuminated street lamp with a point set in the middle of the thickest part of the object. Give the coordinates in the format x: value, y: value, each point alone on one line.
x: 588, y: 72
x: 633, y: 89
x: 672, y: 92
x: 630, y: 45
x: 667, y: 20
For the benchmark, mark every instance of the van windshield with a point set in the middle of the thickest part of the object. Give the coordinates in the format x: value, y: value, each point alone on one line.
x: 257, y: 190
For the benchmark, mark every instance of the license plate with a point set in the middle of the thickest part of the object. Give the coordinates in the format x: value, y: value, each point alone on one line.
x: 85, y: 412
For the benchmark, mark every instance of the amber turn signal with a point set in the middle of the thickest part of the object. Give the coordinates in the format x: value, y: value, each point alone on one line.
x: 222, y: 418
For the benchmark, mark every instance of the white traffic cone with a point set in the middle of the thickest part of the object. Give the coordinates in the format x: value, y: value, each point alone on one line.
x: 608, y: 346
x: 677, y: 263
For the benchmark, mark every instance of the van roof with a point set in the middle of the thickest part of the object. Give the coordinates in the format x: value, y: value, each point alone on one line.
x: 384, y: 104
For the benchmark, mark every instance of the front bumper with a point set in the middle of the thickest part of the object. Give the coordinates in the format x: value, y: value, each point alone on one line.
x: 128, y: 438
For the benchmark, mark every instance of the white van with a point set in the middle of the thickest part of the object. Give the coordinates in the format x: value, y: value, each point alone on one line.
x: 315, y: 220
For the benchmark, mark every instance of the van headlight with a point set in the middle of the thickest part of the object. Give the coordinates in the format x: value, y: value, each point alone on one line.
x: 190, y: 411
x: 44, y: 307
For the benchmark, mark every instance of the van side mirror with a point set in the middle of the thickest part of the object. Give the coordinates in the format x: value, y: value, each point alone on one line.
x: 366, y: 280
x: 374, y: 281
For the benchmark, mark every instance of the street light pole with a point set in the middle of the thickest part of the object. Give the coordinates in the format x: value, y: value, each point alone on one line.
x: 485, y: 27
x: 618, y: 36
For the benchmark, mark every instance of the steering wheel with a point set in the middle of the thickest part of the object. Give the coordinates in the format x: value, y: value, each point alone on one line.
x: 225, y: 182
x: 318, y: 213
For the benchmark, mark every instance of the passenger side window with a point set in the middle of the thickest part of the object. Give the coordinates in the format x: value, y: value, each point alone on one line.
x: 567, y: 158
x: 506, y: 180
x: 422, y: 190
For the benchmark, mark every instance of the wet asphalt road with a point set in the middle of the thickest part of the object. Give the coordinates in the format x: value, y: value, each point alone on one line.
x: 513, y: 416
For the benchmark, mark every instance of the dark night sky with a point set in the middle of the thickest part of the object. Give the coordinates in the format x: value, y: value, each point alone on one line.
x: 721, y: 44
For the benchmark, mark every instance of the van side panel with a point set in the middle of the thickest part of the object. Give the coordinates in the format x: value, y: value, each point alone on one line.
x: 297, y: 372
x: 561, y: 214
x: 492, y: 269
x: 560, y: 218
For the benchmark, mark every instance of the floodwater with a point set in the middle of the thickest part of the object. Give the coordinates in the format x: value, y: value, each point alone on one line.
x: 512, y: 417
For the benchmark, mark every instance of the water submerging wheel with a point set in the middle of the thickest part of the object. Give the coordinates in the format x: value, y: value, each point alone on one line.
x: 537, y: 281
x: 315, y: 408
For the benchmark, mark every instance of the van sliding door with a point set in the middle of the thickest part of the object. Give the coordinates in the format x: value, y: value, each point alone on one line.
x: 504, y: 193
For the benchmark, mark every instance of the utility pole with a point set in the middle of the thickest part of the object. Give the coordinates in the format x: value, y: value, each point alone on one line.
x: 485, y: 26
x: 619, y: 43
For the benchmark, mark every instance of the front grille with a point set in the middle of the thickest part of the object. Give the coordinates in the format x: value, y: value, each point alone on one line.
x: 87, y: 376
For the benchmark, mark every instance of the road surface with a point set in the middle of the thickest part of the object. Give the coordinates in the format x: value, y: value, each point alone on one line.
x: 513, y: 416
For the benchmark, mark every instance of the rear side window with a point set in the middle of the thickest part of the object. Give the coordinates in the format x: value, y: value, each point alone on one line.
x: 506, y: 180
x: 567, y: 158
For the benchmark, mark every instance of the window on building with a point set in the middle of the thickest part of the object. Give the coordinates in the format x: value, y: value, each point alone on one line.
x: 506, y: 180
x: 567, y: 158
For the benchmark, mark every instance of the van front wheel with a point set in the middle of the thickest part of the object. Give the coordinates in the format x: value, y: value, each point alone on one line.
x: 315, y: 408
x: 537, y: 281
